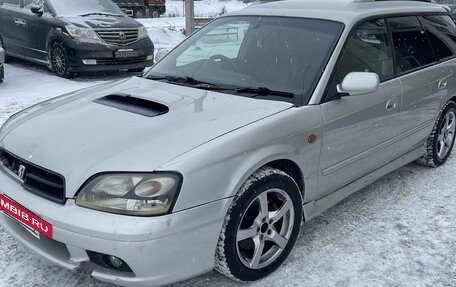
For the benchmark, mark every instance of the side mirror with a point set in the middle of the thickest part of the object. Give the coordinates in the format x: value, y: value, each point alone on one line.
x: 37, y: 9
x: 359, y: 83
x: 160, y: 55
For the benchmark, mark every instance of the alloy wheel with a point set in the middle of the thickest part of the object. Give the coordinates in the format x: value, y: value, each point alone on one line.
x: 59, y: 61
x: 446, y: 135
x: 265, y: 229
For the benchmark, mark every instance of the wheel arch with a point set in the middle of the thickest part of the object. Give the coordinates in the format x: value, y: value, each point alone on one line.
x: 453, y: 99
x: 292, y: 169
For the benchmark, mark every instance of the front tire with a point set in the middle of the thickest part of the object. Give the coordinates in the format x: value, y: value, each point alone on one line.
x: 59, y: 60
x: 261, y: 226
x: 441, y: 141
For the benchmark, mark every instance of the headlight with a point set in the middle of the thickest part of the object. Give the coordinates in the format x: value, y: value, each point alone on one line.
x: 131, y: 193
x: 82, y: 33
x: 142, y: 32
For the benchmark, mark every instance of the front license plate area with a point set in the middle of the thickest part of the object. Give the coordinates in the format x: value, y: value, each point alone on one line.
x: 28, y: 219
x: 126, y: 54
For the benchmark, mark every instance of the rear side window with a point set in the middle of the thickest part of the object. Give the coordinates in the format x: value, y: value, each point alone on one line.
x: 442, y: 34
x: 411, y: 45
x: 368, y: 50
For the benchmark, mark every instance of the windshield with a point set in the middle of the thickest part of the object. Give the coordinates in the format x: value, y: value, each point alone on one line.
x: 275, y: 57
x: 83, y: 7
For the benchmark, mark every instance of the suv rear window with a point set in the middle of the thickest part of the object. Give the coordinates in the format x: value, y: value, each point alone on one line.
x: 411, y: 45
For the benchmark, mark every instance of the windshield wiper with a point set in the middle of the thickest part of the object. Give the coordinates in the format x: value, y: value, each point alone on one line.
x: 100, y: 13
x: 263, y: 91
x: 188, y: 81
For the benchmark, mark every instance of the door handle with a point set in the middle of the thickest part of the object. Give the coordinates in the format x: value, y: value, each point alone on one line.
x: 392, y: 104
x: 443, y: 83
x: 20, y: 22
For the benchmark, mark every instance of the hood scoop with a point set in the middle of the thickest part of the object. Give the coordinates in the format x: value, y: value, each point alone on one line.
x: 134, y: 105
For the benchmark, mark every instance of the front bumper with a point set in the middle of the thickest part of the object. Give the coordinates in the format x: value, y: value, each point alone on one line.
x: 159, y: 250
x: 104, y: 54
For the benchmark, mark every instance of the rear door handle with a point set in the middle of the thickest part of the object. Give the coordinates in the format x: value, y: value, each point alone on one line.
x: 443, y: 84
x: 20, y: 22
x: 392, y: 104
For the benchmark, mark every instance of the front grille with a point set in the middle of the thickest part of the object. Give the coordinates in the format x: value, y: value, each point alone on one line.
x: 118, y: 36
x: 38, y: 180
x: 122, y: 61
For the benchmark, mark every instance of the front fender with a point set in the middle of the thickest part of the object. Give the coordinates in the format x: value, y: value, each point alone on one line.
x: 217, y: 169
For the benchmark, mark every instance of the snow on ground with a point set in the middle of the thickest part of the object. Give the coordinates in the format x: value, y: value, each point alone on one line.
x: 204, y: 8
x: 399, y: 231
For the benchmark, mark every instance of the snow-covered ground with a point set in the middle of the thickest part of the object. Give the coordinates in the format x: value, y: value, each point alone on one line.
x: 399, y: 231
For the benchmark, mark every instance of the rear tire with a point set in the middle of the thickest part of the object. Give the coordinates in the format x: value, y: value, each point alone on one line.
x: 139, y: 13
x: 155, y: 14
x: 261, y: 226
x: 59, y: 60
x: 441, y: 141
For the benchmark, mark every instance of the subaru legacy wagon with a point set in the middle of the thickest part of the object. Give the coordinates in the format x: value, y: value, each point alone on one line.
x: 74, y: 35
x: 212, y: 159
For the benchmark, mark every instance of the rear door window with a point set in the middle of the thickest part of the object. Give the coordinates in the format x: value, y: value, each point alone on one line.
x: 441, y: 32
x: 411, y: 44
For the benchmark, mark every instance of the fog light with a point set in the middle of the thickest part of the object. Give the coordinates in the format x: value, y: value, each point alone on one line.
x: 109, y: 261
x: 150, y: 57
x: 89, y: 62
x: 115, y: 261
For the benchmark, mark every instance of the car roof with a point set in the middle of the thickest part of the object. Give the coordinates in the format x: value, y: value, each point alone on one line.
x: 345, y: 11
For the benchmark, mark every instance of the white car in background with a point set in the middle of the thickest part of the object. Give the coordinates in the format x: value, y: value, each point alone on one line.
x: 2, y: 68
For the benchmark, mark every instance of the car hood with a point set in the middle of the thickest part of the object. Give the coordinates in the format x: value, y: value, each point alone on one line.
x: 78, y: 137
x: 103, y: 22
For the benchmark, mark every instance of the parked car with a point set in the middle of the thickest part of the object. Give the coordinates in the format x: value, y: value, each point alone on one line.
x: 2, y: 68
x: 260, y: 120
x: 74, y: 36
x: 141, y: 8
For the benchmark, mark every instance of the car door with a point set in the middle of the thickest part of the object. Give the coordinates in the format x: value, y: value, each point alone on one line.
x: 423, y: 72
x: 12, y: 27
x: 360, y: 131
x: 36, y: 31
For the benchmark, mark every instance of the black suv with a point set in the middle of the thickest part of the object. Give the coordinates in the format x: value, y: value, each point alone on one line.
x: 74, y: 35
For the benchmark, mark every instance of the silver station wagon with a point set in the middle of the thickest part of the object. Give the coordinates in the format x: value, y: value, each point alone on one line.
x: 213, y: 158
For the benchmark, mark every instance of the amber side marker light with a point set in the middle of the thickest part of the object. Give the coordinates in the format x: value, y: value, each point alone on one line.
x: 312, y: 138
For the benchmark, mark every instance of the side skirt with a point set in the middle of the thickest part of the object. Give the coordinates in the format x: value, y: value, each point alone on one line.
x: 314, y: 208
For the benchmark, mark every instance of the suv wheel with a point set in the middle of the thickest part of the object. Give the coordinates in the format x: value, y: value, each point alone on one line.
x: 441, y: 141
x: 261, y: 226
x: 59, y: 60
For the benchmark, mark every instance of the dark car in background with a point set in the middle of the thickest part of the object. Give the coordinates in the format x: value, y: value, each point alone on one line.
x: 74, y: 36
